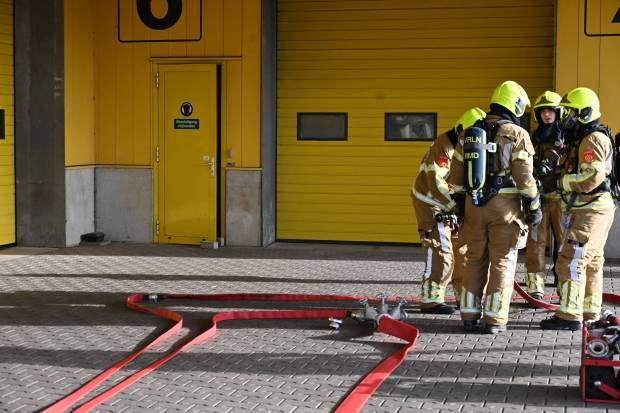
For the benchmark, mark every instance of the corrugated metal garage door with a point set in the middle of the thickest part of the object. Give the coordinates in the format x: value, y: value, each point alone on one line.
x: 369, y: 57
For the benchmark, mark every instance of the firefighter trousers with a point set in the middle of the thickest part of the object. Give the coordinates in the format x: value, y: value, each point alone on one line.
x: 580, y: 264
x: 460, y: 254
x: 537, y: 241
x: 436, y: 238
x: 493, y: 234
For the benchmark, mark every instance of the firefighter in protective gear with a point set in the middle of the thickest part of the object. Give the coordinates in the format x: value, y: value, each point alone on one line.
x: 588, y: 211
x: 496, y: 227
x: 436, y: 225
x: 549, y: 147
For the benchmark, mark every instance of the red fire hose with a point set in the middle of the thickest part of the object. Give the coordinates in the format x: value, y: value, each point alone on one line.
x: 353, y: 402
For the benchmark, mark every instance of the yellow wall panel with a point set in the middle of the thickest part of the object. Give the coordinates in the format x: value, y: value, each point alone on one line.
x: 251, y: 86
x: 125, y: 116
x: 590, y: 61
x: 214, y: 29
x: 79, y: 84
x: 233, y: 14
x: 368, y: 58
x: 234, y: 128
x: 105, y: 84
x: 117, y: 77
x: 401, y: 6
x: 7, y: 145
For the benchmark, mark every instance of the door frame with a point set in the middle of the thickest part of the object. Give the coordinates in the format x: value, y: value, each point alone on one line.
x: 220, y: 63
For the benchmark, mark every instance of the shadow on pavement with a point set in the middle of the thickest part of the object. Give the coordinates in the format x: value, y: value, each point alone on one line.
x: 305, y: 251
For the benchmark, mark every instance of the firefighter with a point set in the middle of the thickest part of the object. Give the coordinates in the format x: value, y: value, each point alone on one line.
x: 588, y: 211
x: 436, y: 226
x: 498, y: 210
x: 549, y: 147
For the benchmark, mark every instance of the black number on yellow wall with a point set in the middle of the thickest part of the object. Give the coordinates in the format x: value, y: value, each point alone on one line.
x: 175, y: 8
x: 181, y: 23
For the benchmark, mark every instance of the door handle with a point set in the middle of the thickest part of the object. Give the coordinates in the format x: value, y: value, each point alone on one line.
x: 210, y: 160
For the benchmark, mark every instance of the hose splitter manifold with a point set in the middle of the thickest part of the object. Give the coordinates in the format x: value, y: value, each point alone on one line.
x: 372, y: 315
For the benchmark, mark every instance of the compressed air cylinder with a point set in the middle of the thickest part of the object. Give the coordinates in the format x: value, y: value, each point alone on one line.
x: 475, y: 160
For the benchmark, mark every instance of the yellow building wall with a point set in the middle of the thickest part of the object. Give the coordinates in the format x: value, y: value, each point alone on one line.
x: 79, y: 84
x: 590, y: 61
x: 368, y: 58
x: 7, y: 145
x: 123, y: 81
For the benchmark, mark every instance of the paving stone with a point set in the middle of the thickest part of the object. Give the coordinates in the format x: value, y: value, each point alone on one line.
x: 63, y: 320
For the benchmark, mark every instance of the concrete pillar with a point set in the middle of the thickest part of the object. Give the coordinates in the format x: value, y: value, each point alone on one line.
x: 39, y: 123
x: 268, y: 122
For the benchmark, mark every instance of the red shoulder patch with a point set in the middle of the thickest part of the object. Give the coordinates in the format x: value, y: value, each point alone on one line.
x: 588, y: 156
x: 442, y: 161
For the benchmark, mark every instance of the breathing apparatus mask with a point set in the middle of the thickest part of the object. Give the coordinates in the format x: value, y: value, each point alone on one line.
x: 569, y: 120
x: 573, y: 128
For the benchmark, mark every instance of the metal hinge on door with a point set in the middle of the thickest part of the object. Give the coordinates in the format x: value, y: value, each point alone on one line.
x: 157, y: 154
x: 157, y: 80
x: 157, y: 227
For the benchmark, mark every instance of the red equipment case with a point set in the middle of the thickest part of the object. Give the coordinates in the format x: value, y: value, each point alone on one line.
x: 598, y: 381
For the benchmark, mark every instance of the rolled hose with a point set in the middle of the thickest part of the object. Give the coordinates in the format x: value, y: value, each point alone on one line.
x: 598, y: 348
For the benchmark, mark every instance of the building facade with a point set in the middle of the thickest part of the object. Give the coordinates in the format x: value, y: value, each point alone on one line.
x: 248, y: 121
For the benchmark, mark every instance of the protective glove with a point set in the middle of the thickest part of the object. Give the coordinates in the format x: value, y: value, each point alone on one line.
x: 533, y: 216
x: 451, y: 220
x: 459, y: 200
x: 533, y: 212
x: 550, y: 183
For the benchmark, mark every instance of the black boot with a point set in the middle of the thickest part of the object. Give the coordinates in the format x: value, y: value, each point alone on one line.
x: 488, y: 328
x: 438, y: 309
x: 557, y: 323
x: 470, y: 326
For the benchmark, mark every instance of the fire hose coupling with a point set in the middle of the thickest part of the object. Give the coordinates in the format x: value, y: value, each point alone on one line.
x: 368, y: 313
x: 372, y: 315
x: 609, y: 317
x: 598, y: 348
x: 152, y: 297
x: 397, y: 312
x: 382, y: 307
x: 335, y: 323
x: 605, y: 337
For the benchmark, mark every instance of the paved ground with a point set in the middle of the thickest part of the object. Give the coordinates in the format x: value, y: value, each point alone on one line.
x: 63, y: 319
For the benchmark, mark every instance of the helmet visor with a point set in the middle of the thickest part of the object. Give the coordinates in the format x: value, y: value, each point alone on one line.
x: 520, y: 107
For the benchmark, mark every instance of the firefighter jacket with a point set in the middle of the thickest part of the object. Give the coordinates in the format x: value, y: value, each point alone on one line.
x: 430, y: 185
x: 513, y: 157
x: 587, y: 166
